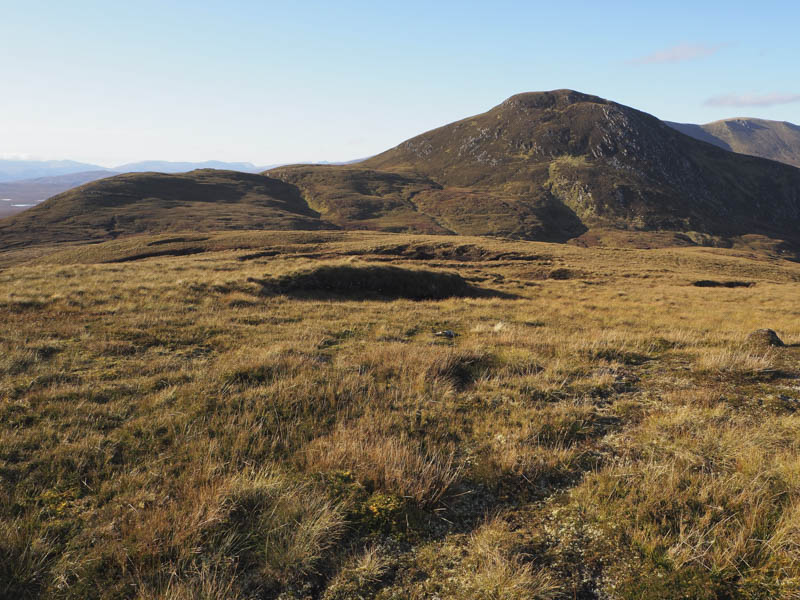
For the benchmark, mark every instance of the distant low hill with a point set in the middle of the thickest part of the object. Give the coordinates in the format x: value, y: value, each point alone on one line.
x: 775, y: 140
x: 162, y: 166
x: 550, y: 166
x: 23, y: 170
x: 15, y: 170
x: 16, y: 196
x: 202, y: 200
x: 19, y: 195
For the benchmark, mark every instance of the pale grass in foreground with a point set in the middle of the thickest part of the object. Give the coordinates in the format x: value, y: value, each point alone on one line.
x: 168, y: 429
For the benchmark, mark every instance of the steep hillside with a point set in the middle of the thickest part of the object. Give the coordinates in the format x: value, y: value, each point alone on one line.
x: 551, y: 165
x: 775, y: 140
x: 610, y: 164
x: 203, y: 200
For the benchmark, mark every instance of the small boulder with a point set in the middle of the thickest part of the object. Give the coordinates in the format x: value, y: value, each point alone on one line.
x: 763, y: 338
x: 446, y: 333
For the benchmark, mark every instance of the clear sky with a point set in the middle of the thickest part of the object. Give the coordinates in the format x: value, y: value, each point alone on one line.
x: 109, y: 82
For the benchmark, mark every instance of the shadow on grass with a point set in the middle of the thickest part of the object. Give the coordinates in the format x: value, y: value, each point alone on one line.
x: 374, y: 282
x: 708, y: 283
x: 157, y: 253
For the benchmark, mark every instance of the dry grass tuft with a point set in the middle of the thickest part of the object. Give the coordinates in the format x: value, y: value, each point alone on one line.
x: 740, y: 361
x: 392, y: 463
x: 490, y: 564
x: 458, y: 368
x: 501, y: 571
x: 361, y: 576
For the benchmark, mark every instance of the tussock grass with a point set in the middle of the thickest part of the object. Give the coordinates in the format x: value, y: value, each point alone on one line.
x: 705, y: 496
x: 741, y: 361
x: 489, y: 564
x: 361, y: 577
x: 458, y: 367
x: 501, y: 570
x: 287, y: 526
x: 386, y: 462
x: 25, y: 557
x: 169, y: 431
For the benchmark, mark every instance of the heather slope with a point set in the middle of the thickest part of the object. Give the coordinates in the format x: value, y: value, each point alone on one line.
x: 610, y: 164
x: 356, y: 198
x: 552, y: 165
x: 202, y: 200
x: 16, y: 196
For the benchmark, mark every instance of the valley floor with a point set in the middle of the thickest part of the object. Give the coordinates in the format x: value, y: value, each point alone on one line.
x: 172, y: 425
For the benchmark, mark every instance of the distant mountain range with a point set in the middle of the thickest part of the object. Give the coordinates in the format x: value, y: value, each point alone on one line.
x: 20, y: 170
x: 547, y: 166
x: 775, y: 140
x: 15, y: 170
x: 16, y: 196
x: 162, y: 166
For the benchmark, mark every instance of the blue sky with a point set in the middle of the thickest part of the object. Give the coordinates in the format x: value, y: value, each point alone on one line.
x: 270, y: 82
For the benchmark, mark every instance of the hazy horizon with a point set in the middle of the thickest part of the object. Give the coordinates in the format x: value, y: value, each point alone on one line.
x: 268, y: 83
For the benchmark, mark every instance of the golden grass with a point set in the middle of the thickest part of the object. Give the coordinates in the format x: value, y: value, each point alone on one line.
x: 736, y: 360
x: 704, y: 491
x: 388, y: 462
x: 168, y: 430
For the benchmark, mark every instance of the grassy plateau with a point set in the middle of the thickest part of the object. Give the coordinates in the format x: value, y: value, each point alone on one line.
x: 351, y: 415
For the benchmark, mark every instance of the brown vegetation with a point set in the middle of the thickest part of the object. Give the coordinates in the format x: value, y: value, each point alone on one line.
x: 167, y: 430
x: 548, y: 166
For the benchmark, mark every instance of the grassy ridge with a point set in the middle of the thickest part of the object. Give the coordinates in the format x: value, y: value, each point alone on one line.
x: 597, y: 427
x: 202, y: 200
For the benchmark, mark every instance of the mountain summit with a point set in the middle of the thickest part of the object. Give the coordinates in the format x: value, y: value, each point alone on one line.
x: 552, y: 164
x: 539, y: 166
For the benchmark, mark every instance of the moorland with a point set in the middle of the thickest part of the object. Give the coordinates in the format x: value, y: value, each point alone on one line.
x: 272, y: 414
x: 510, y: 358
